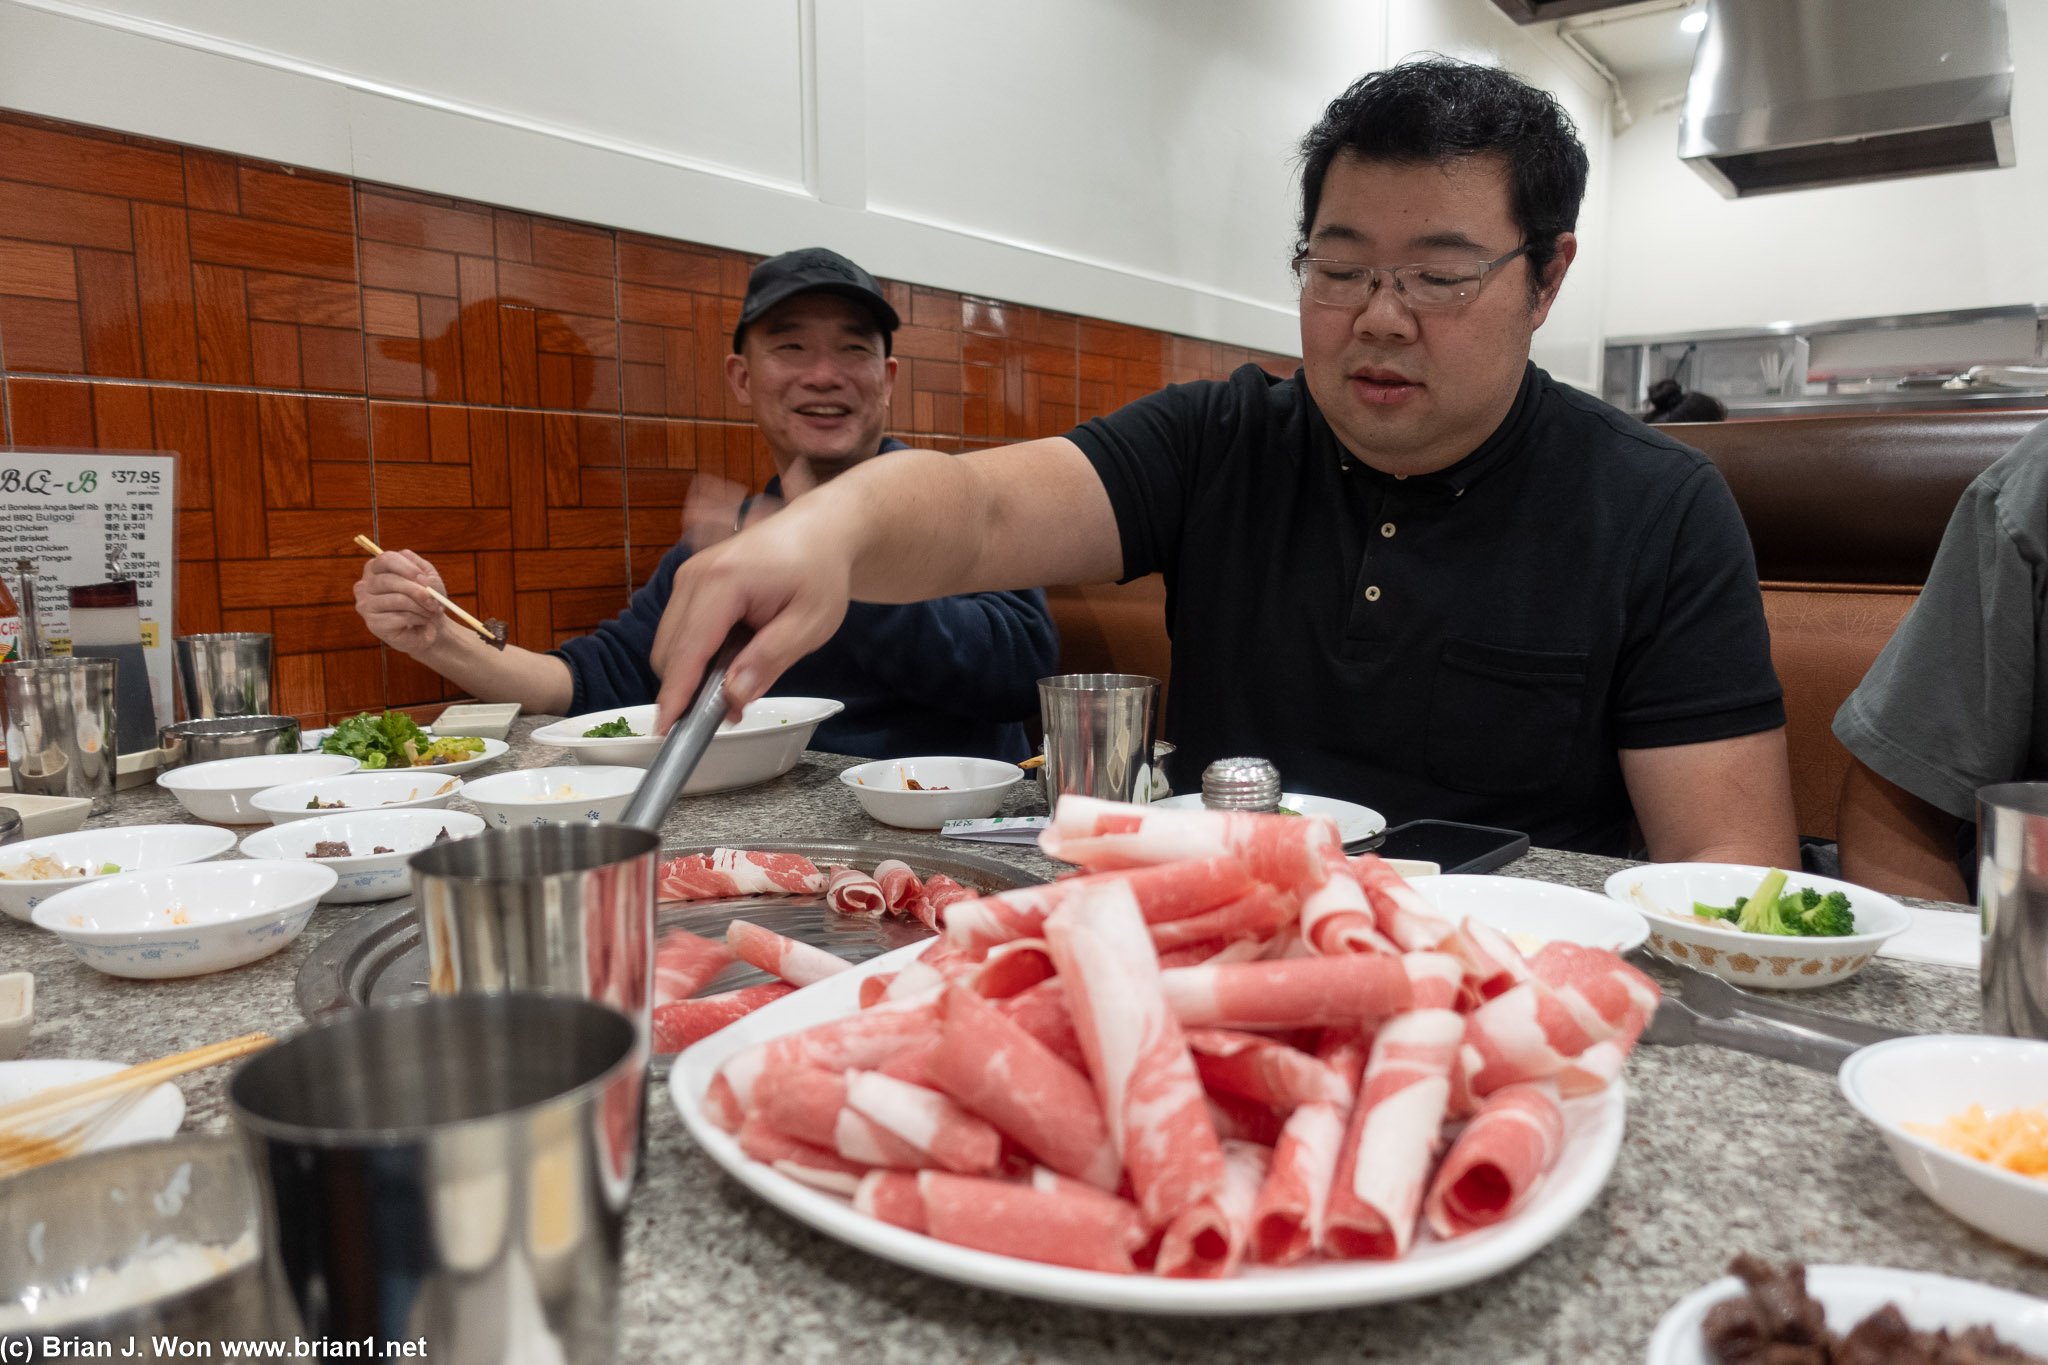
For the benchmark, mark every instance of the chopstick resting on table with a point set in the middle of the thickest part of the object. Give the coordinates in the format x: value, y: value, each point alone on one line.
x: 48, y: 1104
x: 492, y: 634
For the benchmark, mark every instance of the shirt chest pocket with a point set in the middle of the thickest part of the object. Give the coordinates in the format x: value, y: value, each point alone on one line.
x: 1502, y: 722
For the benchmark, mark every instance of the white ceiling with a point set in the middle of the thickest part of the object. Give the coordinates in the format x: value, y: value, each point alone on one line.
x: 1640, y: 40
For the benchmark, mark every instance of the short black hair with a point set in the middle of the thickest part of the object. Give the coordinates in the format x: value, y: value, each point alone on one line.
x: 1433, y: 110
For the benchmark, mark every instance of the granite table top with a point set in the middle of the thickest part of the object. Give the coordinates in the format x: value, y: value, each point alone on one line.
x: 1723, y: 1152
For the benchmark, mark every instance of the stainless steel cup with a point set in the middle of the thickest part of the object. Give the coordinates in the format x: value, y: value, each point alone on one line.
x: 226, y: 674
x: 564, y: 909
x: 2012, y: 903
x: 1098, y: 734
x: 455, y: 1168
x: 61, y: 739
x: 71, y: 1218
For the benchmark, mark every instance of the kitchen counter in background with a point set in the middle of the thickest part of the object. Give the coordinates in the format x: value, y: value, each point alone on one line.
x: 1723, y: 1153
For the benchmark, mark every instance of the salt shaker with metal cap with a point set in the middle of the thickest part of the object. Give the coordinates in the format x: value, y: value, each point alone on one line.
x: 1241, y: 784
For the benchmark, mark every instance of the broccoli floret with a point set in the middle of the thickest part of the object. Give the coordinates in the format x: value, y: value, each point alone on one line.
x: 1821, y: 916
x: 1702, y: 910
x: 1764, y: 911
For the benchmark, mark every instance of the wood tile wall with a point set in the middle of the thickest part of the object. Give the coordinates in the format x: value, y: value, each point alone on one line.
x: 523, y: 401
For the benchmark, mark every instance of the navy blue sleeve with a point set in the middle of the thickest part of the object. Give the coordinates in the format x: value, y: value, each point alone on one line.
x: 978, y: 654
x: 609, y: 666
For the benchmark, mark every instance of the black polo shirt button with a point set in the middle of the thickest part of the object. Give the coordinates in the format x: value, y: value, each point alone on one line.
x: 1372, y: 594
x: 1387, y: 530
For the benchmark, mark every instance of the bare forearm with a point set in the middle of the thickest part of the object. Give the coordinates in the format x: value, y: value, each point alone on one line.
x: 917, y: 524
x: 1894, y: 842
x: 540, y: 683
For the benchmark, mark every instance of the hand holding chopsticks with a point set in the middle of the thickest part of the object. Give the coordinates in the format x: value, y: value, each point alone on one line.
x: 494, y: 638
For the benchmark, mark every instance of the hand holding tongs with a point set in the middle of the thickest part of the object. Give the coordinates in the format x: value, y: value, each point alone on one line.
x: 687, y: 740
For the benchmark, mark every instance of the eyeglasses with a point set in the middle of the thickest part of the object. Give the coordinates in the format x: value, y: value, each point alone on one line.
x: 1444, y: 284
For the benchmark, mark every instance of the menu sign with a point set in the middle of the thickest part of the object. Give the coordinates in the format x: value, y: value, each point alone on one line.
x: 73, y: 513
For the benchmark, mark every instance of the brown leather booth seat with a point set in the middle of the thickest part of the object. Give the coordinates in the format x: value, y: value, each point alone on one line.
x: 1845, y: 514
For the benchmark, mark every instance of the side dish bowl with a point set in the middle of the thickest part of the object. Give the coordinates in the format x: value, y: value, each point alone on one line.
x: 364, y: 875
x: 951, y: 789
x: 763, y: 743
x: 1663, y: 893
x: 221, y: 791
x: 399, y: 789
x: 554, y: 796
x: 1925, y: 1080
x: 1531, y: 910
x: 185, y: 921
x: 137, y: 848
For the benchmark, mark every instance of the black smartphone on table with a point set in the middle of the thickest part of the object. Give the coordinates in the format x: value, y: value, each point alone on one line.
x: 1453, y: 846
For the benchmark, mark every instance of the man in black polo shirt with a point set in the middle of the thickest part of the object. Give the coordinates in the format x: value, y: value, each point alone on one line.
x: 1420, y: 574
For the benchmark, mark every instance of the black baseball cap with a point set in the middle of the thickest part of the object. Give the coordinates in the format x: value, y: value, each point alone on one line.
x: 814, y: 270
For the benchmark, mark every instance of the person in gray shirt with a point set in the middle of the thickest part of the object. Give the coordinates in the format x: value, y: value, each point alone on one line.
x: 1959, y: 698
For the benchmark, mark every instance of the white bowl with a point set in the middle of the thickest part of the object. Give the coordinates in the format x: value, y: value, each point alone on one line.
x: 394, y: 789
x: 1927, y: 1079
x: 532, y: 796
x: 1663, y: 893
x: 137, y: 848
x: 1538, y: 910
x: 973, y: 789
x: 763, y: 743
x: 42, y: 816
x: 186, y: 921
x: 364, y: 876
x: 221, y: 791
x: 1851, y: 1293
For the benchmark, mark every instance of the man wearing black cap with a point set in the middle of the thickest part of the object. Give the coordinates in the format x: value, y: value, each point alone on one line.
x: 811, y: 358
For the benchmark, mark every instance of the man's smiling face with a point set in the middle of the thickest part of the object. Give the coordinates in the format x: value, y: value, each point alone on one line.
x: 1411, y: 391
x: 813, y: 370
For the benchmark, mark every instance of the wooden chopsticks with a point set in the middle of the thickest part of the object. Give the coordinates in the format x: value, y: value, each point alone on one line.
x: 59, y: 1100
x: 490, y: 637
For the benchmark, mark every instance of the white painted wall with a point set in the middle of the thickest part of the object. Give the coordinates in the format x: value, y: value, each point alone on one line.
x: 1129, y: 159
x: 1683, y: 258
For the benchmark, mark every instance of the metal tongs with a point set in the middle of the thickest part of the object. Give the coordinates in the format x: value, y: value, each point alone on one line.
x: 1710, y: 1010
x: 687, y: 740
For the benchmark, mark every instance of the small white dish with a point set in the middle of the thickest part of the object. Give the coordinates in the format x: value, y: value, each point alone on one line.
x: 221, y: 791
x: 554, y: 796
x: 155, y: 1116
x: 186, y: 921
x: 1354, y: 822
x: 763, y: 743
x: 484, y: 719
x: 42, y: 816
x: 1851, y: 1293
x: 17, y: 1012
x: 1927, y: 1080
x: 135, y: 848
x: 364, y: 875
x: 1663, y: 894
x: 1593, y: 1127
x: 385, y: 789
x: 1544, y: 911
x: 954, y: 789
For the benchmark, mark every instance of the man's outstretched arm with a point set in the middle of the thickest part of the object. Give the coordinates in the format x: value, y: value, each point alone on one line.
x: 901, y: 527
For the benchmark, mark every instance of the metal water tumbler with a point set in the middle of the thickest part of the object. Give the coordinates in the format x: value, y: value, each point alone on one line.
x: 454, y: 1168
x: 2012, y: 902
x: 1098, y: 734
x: 563, y: 909
x: 61, y: 736
x: 224, y: 674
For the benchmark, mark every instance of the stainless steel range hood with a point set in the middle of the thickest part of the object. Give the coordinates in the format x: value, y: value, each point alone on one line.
x: 1797, y: 94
